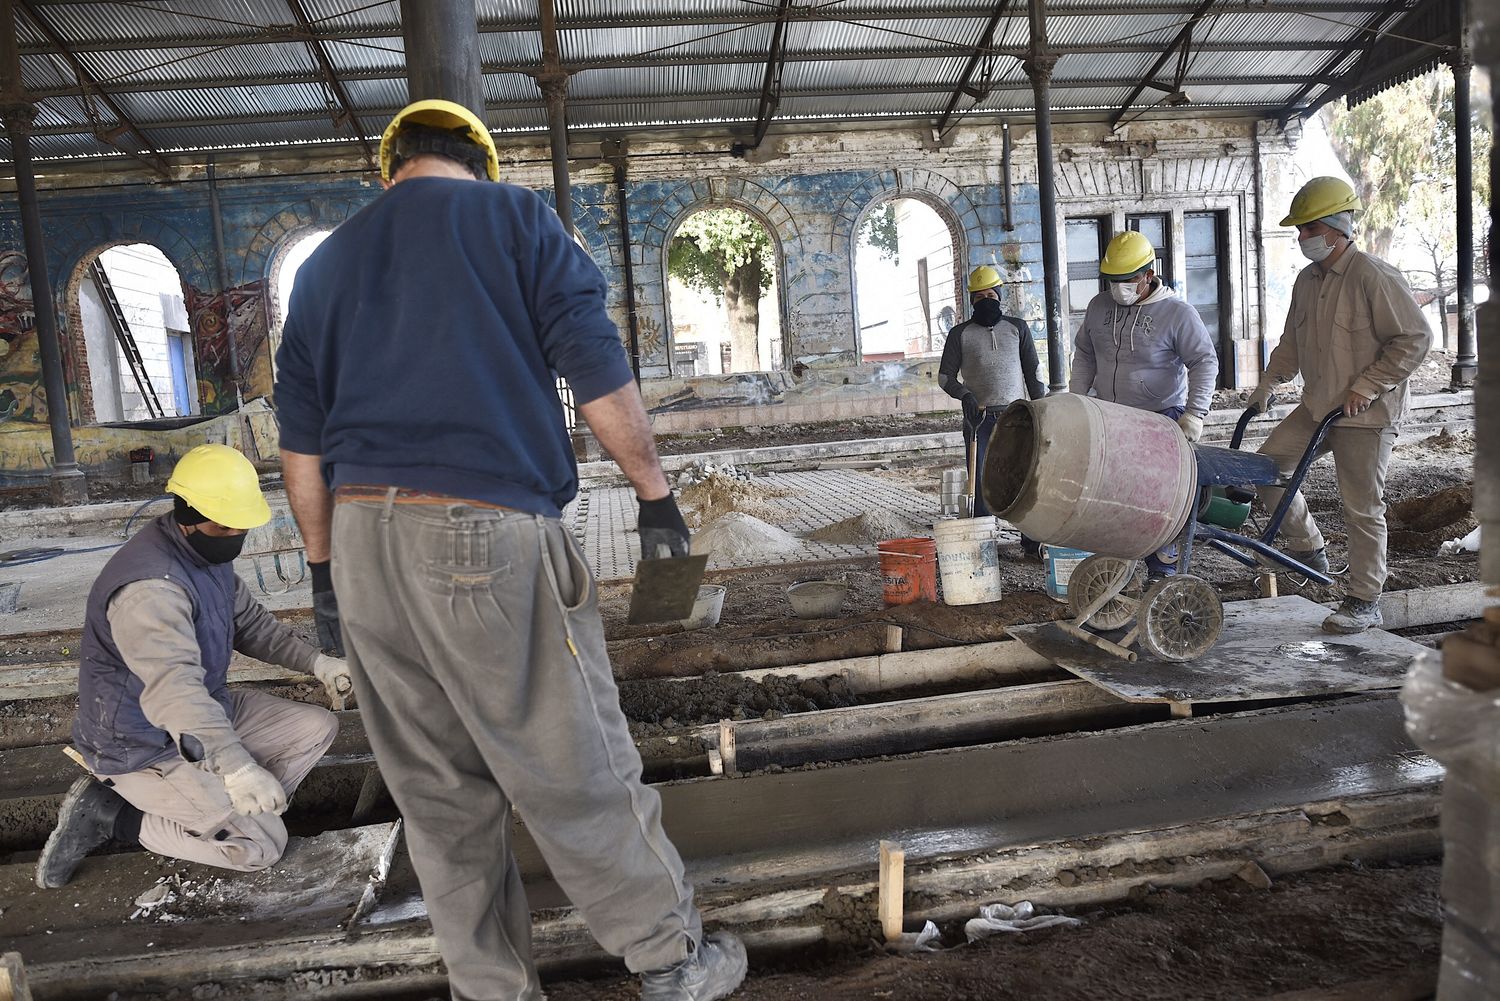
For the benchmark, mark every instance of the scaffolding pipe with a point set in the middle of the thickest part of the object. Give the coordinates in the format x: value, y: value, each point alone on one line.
x: 1466, y: 364
x: 68, y: 485
x: 1039, y: 69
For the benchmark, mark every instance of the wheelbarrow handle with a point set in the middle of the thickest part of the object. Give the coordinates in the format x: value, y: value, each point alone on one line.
x: 1251, y: 412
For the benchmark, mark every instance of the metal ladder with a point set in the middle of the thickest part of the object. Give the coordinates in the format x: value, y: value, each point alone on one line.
x: 125, y: 338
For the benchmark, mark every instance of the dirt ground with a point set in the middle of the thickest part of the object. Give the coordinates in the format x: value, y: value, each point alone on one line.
x: 1219, y: 942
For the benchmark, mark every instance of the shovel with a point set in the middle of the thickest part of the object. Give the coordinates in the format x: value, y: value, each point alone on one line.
x: 665, y: 587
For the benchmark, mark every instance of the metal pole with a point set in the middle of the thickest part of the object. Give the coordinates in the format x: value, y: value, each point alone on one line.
x: 67, y: 482
x: 442, y: 52
x: 622, y: 203
x: 1465, y: 366
x: 553, y: 80
x: 223, y: 272
x: 1039, y: 68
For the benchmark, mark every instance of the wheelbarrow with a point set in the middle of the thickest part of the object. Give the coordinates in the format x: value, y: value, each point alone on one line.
x: 1180, y: 617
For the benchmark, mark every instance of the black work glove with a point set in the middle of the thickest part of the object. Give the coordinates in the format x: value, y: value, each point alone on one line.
x: 661, y: 524
x: 973, y: 412
x: 326, y: 609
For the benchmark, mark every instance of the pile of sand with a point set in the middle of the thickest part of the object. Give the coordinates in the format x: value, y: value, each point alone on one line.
x: 872, y: 526
x: 718, y: 494
x: 739, y: 536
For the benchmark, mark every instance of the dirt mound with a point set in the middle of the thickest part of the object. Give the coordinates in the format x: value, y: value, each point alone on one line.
x: 1421, y: 524
x: 872, y: 526
x: 1448, y: 441
x: 718, y: 494
x: 714, y: 697
x: 738, y: 535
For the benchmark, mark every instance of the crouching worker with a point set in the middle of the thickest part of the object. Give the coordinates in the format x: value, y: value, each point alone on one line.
x: 181, y: 765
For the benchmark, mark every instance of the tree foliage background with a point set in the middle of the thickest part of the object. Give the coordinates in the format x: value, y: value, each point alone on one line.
x: 728, y: 254
x: 879, y: 231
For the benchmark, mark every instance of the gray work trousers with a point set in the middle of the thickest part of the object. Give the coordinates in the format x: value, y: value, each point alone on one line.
x: 187, y: 812
x: 478, y: 656
x: 1360, y: 459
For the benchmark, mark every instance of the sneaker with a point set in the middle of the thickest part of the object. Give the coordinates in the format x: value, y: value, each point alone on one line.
x: 1316, y: 559
x: 713, y: 971
x: 1355, y: 615
x: 85, y: 822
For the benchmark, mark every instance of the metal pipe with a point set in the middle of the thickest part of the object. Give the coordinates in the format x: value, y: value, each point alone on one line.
x: 622, y: 210
x: 1039, y: 69
x: 222, y: 267
x: 553, y: 80
x: 442, y: 52
x: 1005, y: 146
x: 67, y: 482
x: 1260, y: 250
x: 1466, y: 364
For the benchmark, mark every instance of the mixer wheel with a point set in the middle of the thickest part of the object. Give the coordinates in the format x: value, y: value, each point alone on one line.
x: 1092, y: 578
x: 1180, y: 618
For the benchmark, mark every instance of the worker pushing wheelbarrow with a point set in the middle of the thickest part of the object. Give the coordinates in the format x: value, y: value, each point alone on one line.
x: 1122, y: 483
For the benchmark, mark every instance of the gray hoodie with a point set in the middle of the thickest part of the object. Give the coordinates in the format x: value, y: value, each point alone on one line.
x: 1153, y: 355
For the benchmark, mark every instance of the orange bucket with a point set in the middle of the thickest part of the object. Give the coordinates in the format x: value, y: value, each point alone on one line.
x: 908, y: 569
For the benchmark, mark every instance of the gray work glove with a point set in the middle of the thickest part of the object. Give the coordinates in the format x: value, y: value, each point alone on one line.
x: 1192, y: 426
x: 253, y: 790
x: 1261, y: 398
x: 334, y: 674
x: 973, y: 412
x: 661, y: 525
x: 326, y: 609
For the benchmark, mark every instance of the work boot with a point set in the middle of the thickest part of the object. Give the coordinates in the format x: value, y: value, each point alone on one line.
x: 85, y: 822
x: 713, y: 971
x: 1316, y: 559
x: 1355, y: 615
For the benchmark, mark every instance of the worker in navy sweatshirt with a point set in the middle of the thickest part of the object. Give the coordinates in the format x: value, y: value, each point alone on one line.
x: 425, y: 453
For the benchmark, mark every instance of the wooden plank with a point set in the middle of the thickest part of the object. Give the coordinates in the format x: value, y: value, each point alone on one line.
x: 891, y: 890
x: 40, y: 681
x: 13, y: 985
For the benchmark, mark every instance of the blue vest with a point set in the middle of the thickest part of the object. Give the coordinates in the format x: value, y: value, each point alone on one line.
x: 110, y: 729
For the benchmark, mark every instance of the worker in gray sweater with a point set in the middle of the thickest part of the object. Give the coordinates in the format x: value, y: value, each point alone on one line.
x: 989, y: 362
x: 1143, y: 346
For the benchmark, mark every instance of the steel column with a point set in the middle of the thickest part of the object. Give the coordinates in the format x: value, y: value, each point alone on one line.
x: 68, y: 484
x: 553, y: 81
x: 222, y: 270
x: 1465, y: 366
x: 622, y: 210
x: 1039, y: 69
x: 442, y: 52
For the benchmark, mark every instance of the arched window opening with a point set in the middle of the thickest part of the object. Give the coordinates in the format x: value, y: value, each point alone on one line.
x: 284, y: 278
x: 136, y: 347
x: 723, y: 297
x: 905, y: 269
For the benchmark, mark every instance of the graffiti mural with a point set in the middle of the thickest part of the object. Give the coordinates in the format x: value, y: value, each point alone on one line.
x: 21, y: 395
x: 214, y: 316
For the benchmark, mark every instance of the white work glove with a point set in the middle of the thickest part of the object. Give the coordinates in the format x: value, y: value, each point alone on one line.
x: 334, y: 674
x: 254, y: 790
x: 1192, y: 426
x: 1262, y: 395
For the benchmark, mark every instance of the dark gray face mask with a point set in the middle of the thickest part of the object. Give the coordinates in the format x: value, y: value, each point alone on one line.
x: 216, y: 548
x: 987, y: 312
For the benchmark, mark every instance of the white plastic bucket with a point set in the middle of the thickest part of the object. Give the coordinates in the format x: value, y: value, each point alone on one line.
x: 706, y: 607
x: 1061, y: 562
x: 968, y: 560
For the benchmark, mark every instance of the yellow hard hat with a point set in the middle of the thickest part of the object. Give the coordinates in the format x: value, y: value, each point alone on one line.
x: 1127, y: 255
x: 220, y: 484
x: 1322, y: 196
x: 983, y: 277
x: 443, y: 115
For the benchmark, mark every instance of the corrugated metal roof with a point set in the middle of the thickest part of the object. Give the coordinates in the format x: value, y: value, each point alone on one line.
x: 240, y: 73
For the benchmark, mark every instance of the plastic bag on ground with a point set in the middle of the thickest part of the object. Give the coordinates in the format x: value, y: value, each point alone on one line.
x: 1468, y: 544
x: 997, y: 918
x: 1455, y: 724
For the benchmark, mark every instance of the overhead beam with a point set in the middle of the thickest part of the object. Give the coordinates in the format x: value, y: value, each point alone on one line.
x: 1178, y: 42
x: 770, y: 88
x: 1362, y: 39
x: 89, y: 87
x: 981, y: 50
x: 331, y: 77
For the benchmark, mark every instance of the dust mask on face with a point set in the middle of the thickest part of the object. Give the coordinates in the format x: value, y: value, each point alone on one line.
x: 1125, y: 293
x: 987, y: 312
x: 1315, y: 248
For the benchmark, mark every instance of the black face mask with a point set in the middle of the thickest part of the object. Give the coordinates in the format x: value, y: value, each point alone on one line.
x: 987, y: 312
x: 216, y: 548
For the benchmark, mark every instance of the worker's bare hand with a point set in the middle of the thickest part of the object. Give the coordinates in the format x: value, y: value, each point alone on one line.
x: 1356, y: 404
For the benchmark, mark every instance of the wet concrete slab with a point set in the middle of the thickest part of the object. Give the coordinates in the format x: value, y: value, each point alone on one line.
x: 1270, y: 648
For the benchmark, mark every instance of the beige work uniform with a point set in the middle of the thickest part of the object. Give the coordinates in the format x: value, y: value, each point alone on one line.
x: 1356, y: 328
x: 187, y: 813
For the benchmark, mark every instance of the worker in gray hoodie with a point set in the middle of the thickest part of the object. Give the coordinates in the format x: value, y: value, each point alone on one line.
x: 989, y: 362
x: 1141, y: 345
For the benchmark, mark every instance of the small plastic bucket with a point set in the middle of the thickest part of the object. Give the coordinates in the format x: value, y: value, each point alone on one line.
x: 706, y: 607
x: 908, y: 570
x: 968, y: 559
x: 1060, y: 563
x: 816, y: 599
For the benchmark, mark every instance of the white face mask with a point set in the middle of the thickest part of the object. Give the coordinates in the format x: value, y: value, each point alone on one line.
x: 1125, y: 293
x: 1315, y: 248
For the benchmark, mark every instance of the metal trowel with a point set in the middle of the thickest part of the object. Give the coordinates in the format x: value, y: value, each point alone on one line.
x: 665, y: 587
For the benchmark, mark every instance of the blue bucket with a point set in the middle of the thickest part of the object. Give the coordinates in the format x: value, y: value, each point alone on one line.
x: 1061, y: 561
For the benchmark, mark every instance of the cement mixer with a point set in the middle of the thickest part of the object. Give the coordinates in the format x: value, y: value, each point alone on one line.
x: 1122, y: 483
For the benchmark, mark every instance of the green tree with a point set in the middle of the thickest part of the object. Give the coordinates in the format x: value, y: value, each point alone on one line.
x: 879, y: 231
x: 728, y: 254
